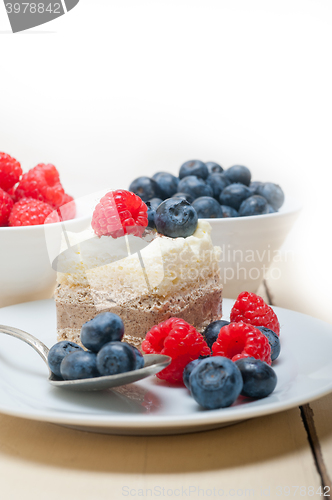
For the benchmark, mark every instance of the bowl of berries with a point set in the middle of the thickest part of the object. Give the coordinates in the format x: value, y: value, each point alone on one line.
x: 249, y: 219
x: 30, y: 202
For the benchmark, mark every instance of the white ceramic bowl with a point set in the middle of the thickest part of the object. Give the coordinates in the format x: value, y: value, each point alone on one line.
x: 25, y: 265
x: 249, y: 245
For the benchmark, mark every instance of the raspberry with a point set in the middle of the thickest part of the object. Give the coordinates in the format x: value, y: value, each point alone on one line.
x: 67, y: 210
x: 42, y: 183
x: 118, y: 213
x: 11, y: 193
x: 240, y: 340
x: 6, y: 205
x: 29, y: 212
x: 10, y: 171
x: 179, y: 340
x: 252, y: 309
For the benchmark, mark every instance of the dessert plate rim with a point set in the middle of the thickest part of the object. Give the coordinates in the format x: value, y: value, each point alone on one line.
x: 304, y: 373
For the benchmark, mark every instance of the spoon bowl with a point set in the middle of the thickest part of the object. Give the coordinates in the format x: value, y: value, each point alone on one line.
x: 153, y: 363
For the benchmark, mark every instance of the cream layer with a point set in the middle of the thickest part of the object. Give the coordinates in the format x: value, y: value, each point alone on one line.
x: 154, y: 265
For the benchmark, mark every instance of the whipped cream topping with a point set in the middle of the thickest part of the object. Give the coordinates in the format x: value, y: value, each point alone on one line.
x: 154, y: 264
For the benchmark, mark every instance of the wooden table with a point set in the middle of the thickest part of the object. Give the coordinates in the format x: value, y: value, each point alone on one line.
x: 286, y: 454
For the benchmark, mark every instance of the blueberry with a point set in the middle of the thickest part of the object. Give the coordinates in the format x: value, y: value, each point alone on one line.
x: 79, y: 364
x: 195, y: 187
x: 259, y: 379
x: 146, y: 188
x: 271, y: 209
x: 211, y: 332
x: 254, y: 205
x: 139, y: 358
x: 273, y: 339
x: 234, y: 195
x: 215, y: 382
x: 187, y: 371
x: 151, y: 214
x: 218, y: 182
x: 168, y: 184
x: 176, y: 218
x: 116, y: 357
x: 228, y: 211
x: 58, y: 352
x: 238, y: 173
x: 207, y: 208
x: 103, y: 328
x: 155, y: 202
x: 253, y: 186
x: 194, y: 167
x: 184, y: 196
x: 152, y: 205
x: 273, y: 194
x: 213, y: 167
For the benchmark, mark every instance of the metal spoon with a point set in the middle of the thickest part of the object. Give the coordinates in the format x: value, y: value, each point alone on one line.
x: 153, y: 363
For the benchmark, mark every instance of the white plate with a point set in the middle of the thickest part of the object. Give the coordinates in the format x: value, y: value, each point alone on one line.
x: 304, y: 372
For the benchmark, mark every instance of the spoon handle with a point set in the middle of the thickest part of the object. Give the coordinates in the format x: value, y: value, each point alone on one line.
x: 37, y: 345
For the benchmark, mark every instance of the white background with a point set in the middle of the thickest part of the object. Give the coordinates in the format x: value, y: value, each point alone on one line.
x: 121, y: 88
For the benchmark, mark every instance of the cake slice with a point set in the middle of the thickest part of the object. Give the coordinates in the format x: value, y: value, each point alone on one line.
x: 144, y: 279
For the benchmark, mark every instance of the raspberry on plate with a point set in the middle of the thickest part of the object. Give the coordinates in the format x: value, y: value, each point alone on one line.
x: 29, y: 212
x: 252, y: 309
x: 240, y: 340
x: 42, y: 183
x: 6, y: 205
x: 179, y: 340
x: 10, y: 171
x: 120, y: 212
